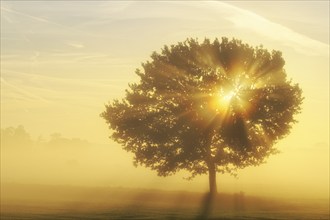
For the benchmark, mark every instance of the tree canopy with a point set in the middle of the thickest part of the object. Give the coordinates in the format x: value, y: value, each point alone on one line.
x: 220, y: 104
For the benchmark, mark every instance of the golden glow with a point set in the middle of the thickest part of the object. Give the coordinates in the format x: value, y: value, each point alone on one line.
x: 224, y: 100
x: 59, y: 85
x: 231, y: 97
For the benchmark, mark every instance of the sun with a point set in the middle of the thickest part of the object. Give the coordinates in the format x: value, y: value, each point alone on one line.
x: 233, y: 97
x: 227, y: 96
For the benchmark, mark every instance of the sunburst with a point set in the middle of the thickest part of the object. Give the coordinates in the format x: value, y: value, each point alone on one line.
x: 233, y: 97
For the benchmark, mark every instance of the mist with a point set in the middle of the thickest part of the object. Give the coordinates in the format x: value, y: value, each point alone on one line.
x: 56, y: 175
x: 58, y: 160
x: 61, y: 62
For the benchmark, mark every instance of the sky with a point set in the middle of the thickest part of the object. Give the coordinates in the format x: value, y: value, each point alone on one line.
x: 62, y: 61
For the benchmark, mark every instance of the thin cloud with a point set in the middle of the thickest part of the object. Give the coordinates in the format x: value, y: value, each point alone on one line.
x: 71, y: 81
x: 23, y: 91
x: 248, y: 20
x: 51, y: 90
x: 25, y: 15
x: 241, y: 20
x: 39, y: 19
x: 76, y: 45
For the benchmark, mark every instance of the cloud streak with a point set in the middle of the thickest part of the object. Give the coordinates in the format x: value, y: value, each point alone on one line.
x: 76, y: 45
x: 244, y: 19
x: 24, y: 92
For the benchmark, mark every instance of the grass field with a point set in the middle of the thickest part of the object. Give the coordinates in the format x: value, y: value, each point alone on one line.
x: 67, y: 202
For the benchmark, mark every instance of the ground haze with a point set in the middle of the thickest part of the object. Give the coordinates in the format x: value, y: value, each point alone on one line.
x: 22, y: 201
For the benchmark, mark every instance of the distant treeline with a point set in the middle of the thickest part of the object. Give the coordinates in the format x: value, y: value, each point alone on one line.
x: 19, y: 137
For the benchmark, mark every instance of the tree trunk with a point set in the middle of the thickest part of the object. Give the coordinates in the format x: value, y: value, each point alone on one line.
x: 209, y: 198
x: 212, y: 179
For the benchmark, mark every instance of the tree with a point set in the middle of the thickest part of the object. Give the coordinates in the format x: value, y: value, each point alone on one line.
x: 205, y: 107
x: 15, y: 137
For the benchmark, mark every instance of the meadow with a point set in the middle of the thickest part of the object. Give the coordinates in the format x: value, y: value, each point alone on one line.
x: 20, y: 201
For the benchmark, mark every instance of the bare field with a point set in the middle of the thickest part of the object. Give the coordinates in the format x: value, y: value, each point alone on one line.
x: 20, y: 201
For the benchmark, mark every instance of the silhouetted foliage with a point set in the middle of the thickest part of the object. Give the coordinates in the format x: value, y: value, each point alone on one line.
x: 15, y: 137
x: 205, y: 107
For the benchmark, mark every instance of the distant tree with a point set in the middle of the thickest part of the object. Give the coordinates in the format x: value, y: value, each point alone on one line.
x: 15, y: 137
x: 205, y: 107
x: 57, y: 141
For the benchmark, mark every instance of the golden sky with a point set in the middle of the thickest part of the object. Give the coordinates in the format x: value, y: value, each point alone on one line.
x: 62, y: 61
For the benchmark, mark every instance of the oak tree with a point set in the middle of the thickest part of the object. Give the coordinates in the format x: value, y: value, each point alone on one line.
x: 205, y: 107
